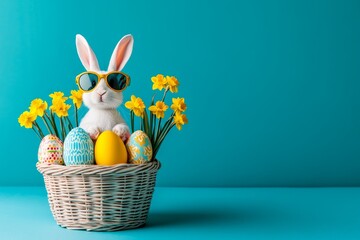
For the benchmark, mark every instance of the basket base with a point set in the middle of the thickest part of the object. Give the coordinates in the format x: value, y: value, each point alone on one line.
x: 100, y: 198
x: 113, y: 228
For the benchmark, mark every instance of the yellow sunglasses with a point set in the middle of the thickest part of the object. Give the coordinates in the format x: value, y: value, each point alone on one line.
x: 117, y: 81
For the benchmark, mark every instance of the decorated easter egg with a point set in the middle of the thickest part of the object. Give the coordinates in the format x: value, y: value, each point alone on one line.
x: 139, y: 148
x: 51, y: 150
x: 110, y: 149
x: 78, y: 148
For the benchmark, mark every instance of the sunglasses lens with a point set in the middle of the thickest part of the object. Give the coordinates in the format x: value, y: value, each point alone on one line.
x: 88, y: 81
x: 117, y: 81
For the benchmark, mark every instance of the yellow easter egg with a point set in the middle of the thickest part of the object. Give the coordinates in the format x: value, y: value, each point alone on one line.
x: 109, y: 149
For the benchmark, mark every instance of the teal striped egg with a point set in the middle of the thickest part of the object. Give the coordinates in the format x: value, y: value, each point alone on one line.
x: 78, y: 148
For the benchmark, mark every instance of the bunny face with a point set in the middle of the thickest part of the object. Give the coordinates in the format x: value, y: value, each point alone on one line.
x: 102, y: 96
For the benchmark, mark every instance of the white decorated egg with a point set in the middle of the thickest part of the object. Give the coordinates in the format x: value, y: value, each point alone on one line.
x: 51, y: 150
x: 139, y: 148
x: 78, y: 148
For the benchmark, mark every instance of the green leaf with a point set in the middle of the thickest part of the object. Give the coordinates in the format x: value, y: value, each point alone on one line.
x: 151, y: 126
x: 76, y: 116
x: 52, y: 120
x: 153, y: 99
x: 161, y: 139
x: 146, y: 123
x: 132, y: 121
x: 153, y: 137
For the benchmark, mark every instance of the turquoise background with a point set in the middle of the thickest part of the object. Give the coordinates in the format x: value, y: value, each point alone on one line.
x: 272, y: 86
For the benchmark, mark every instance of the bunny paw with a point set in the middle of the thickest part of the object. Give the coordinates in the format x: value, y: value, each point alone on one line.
x: 122, y: 131
x: 94, y: 132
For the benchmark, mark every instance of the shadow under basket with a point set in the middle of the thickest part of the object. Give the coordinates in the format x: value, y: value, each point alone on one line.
x: 100, y: 198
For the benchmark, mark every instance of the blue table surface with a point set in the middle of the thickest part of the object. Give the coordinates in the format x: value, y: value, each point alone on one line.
x: 203, y: 213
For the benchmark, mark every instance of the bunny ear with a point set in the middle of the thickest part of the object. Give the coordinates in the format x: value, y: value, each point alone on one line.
x: 86, y: 54
x: 121, y: 54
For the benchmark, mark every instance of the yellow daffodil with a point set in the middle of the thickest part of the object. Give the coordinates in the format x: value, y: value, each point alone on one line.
x: 159, y: 109
x: 38, y: 107
x: 180, y: 120
x: 173, y: 83
x: 58, y: 104
x: 159, y: 82
x: 26, y: 119
x: 136, y: 105
x: 58, y: 96
x: 60, y: 108
x: 178, y: 105
x: 76, y: 96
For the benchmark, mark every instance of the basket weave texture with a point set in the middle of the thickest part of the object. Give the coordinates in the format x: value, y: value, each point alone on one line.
x: 100, y: 198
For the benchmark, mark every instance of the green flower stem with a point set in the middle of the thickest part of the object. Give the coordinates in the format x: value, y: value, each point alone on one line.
x: 52, y: 120
x: 62, y: 129
x: 67, y: 125
x: 132, y: 121
x: 70, y: 126
x: 48, y: 120
x: 57, y: 130
x: 161, y: 134
x: 39, y: 129
x: 159, y: 127
x: 154, y: 128
x: 166, y: 126
x: 161, y: 139
x: 76, y: 116
x: 152, y: 124
x: 46, y: 124
x: 166, y: 90
x: 146, y: 124
x: 37, y: 134
x: 153, y: 99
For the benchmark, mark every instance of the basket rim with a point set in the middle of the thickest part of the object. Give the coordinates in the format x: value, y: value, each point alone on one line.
x: 122, y: 169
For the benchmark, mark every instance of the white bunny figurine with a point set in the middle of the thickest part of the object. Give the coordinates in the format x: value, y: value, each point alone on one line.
x: 103, y: 89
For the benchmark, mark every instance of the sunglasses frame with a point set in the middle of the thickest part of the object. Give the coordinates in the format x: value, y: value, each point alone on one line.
x: 103, y: 76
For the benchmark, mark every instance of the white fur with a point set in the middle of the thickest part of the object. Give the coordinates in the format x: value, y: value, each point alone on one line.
x: 103, y: 101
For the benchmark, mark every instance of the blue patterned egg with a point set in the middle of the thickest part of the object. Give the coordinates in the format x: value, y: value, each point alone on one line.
x: 78, y: 148
x: 139, y: 148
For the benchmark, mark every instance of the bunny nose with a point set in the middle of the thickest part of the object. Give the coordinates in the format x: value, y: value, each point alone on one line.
x: 102, y: 92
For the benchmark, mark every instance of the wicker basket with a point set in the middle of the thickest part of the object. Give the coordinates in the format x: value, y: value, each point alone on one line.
x: 100, y: 198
